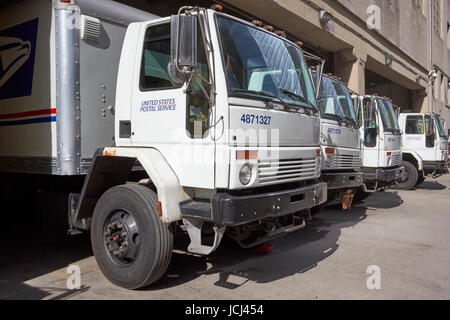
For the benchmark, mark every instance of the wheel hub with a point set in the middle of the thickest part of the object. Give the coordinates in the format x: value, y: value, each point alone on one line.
x: 121, y: 237
x: 405, y: 177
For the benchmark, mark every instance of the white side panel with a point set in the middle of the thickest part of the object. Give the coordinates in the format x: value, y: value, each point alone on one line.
x: 98, y: 89
x: 128, y: 60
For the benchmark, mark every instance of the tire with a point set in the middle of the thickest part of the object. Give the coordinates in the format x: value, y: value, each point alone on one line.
x: 149, y: 241
x: 412, y: 176
x: 360, y: 195
x: 420, y: 180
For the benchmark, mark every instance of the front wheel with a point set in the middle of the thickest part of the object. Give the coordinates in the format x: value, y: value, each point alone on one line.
x: 410, y: 179
x: 131, y: 245
x: 420, y: 180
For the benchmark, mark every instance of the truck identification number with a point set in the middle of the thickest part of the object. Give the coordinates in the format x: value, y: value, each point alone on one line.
x: 334, y: 131
x: 252, y: 118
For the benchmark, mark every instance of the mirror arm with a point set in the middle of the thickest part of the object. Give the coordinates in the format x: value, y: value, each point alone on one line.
x: 207, y: 46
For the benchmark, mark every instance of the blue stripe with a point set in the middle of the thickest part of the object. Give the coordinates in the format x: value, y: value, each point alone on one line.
x: 27, y: 121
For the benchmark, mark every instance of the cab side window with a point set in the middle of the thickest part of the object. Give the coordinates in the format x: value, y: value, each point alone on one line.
x: 414, y: 125
x: 430, y: 135
x: 370, y: 124
x: 198, y: 110
x: 155, y: 58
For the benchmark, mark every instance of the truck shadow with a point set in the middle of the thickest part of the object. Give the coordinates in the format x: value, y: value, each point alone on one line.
x: 295, y: 253
x: 383, y: 200
x: 23, y: 261
x: 431, y: 185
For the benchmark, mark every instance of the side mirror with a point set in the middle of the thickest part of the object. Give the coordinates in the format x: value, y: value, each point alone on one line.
x: 183, y: 47
x: 318, y: 84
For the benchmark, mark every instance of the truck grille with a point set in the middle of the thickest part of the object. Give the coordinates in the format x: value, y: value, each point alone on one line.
x: 345, y: 161
x: 396, y: 159
x: 287, y: 170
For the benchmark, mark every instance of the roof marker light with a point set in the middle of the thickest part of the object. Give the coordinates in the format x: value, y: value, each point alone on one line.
x: 217, y: 7
x: 281, y: 33
x: 257, y: 23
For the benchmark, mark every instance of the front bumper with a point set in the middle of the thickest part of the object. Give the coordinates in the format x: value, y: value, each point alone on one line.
x: 385, y: 175
x: 336, y: 180
x: 232, y: 210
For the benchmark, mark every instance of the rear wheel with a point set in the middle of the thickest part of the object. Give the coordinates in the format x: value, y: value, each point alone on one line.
x: 132, y: 246
x: 411, y: 177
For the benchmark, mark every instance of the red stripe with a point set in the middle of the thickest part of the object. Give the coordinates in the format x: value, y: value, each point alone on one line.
x: 28, y: 114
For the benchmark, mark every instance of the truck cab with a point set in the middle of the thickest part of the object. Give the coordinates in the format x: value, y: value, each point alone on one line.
x: 380, y: 142
x: 221, y: 115
x: 424, y: 147
x: 340, y: 142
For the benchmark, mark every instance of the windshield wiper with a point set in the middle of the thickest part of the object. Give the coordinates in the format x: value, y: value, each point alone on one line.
x: 341, y: 119
x: 266, y: 94
x: 293, y: 94
x: 352, y: 121
x: 336, y: 117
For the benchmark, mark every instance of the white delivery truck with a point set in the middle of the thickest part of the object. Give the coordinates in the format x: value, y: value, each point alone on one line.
x: 96, y: 88
x: 340, y: 141
x: 380, y: 144
x: 424, y: 147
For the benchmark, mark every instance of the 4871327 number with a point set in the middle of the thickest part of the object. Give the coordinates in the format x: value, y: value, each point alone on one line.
x: 253, y: 118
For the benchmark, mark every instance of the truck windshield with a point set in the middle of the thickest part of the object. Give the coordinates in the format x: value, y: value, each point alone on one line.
x: 387, y: 115
x: 440, y: 126
x: 335, y: 100
x: 259, y: 64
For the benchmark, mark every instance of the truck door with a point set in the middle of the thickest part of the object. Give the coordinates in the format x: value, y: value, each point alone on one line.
x: 369, y: 133
x: 168, y: 116
x: 414, y: 134
x: 430, y: 138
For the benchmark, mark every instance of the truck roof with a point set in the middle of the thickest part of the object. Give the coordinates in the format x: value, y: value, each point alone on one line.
x: 420, y: 114
x: 114, y: 11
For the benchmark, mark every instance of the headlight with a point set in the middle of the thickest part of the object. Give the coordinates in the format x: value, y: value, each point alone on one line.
x: 245, y: 174
x: 329, y: 161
